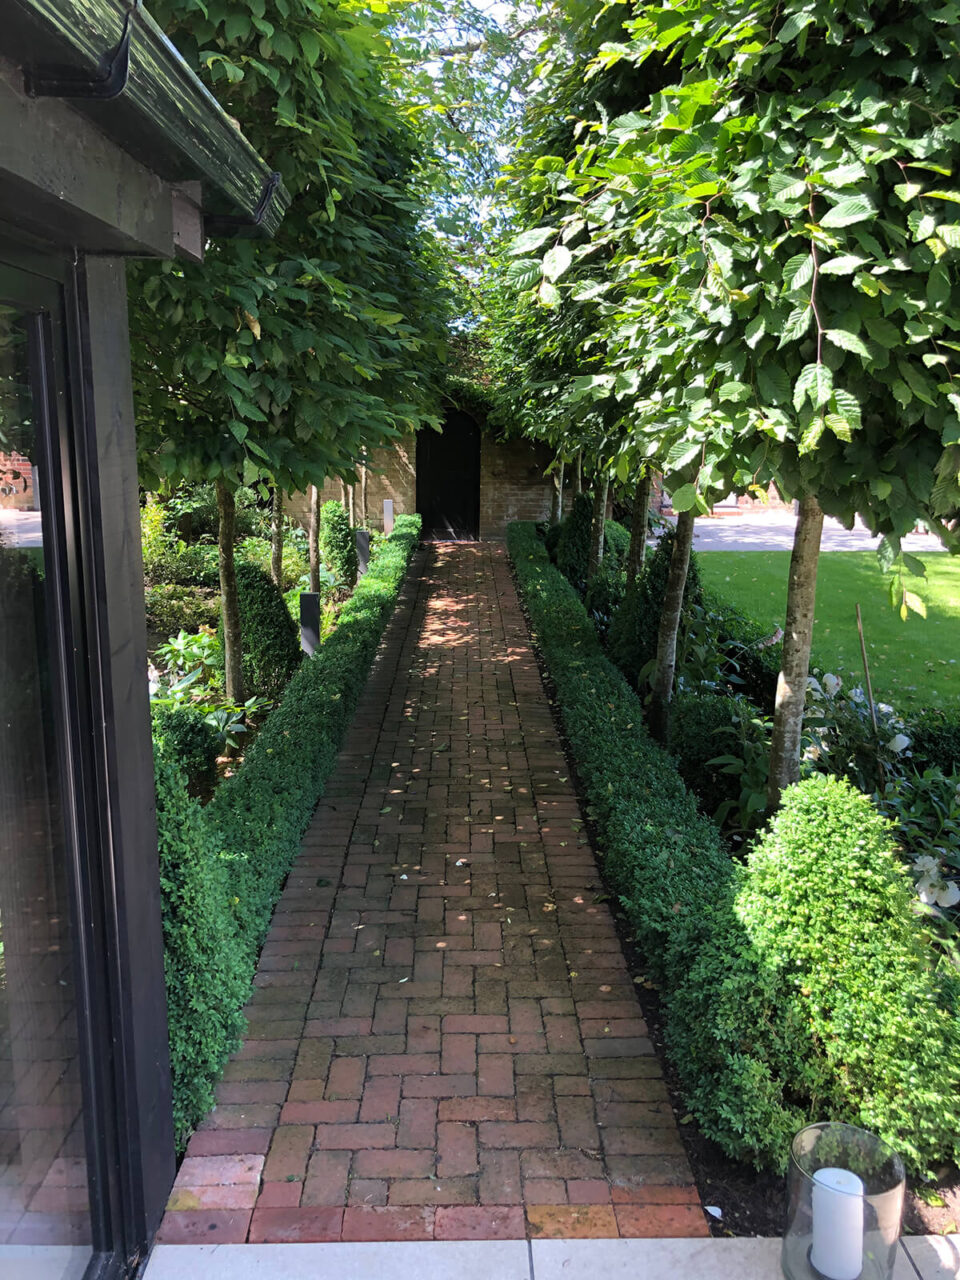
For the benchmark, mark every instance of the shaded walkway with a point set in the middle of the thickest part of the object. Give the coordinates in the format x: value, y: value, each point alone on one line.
x: 444, y: 1039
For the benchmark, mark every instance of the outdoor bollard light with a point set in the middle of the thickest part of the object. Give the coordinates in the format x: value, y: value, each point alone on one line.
x: 845, y: 1204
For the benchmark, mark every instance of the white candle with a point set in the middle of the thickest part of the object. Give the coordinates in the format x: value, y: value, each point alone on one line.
x: 837, y: 1251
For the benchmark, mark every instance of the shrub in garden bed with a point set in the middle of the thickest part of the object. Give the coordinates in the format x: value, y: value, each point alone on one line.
x: 250, y: 833
x: 634, y: 627
x: 271, y: 641
x: 616, y: 544
x: 338, y: 548
x: 663, y: 858
x: 814, y: 993
x: 172, y: 608
x: 573, y: 544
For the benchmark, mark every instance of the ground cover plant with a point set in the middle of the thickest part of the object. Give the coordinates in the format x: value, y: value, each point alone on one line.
x: 223, y: 866
x: 914, y: 663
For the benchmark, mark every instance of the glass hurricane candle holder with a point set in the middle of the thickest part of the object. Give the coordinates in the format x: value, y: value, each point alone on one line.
x: 845, y: 1205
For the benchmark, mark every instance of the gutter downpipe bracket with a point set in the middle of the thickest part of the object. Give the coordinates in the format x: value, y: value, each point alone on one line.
x: 47, y: 80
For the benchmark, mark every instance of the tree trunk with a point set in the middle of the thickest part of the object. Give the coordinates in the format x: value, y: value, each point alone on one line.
x: 797, y: 638
x: 313, y: 536
x: 556, y: 504
x: 276, y: 538
x: 229, y: 602
x: 659, y: 710
x: 600, y: 493
x: 638, y: 529
x: 578, y: 475
x: 352, y: 505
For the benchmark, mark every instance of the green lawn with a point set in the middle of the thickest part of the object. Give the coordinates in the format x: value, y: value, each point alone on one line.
x: 912, y: 663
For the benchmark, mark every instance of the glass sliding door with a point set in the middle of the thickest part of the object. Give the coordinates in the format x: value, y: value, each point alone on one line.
x: 45, y: 1209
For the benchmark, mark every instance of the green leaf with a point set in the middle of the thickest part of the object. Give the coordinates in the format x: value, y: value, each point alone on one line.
x: 847, y: 211
x: 528, y: 241
x: 847, y: 341
x: 556, y: 261
x: 797, y: 272
x: 798, y: 322
x: 773, y: 383
x: 952, y: 196
x: 548, y: 294
x: 847, y: 406
x: 843, y: 265
x: 913, y: 601
x: 815, y: 381
x: 684, y: 498
x: 882, y: 331
x: 754, y: 331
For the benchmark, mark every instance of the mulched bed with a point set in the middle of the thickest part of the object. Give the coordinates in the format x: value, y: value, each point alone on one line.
x: 751, y: 1203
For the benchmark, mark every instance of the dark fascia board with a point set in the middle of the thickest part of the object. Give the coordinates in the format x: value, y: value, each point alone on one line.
x: 163, y: 117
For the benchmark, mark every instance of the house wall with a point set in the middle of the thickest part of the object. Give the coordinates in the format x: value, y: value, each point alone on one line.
x: 512, y: 485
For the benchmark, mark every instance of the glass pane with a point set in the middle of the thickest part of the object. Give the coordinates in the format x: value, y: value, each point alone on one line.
x: 43, y: 1174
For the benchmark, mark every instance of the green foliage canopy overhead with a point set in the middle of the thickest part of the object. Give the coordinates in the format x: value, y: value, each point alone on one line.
x: 288, y: 359
x: 765, y: 251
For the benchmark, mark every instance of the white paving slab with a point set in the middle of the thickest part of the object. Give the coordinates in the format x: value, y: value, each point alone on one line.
x: 43, y: 1262
x: 935, y: 1257
x: 407, y: 1260
x: 741, y: 1259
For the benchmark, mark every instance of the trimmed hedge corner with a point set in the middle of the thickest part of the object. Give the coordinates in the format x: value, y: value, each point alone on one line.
x: 660, y: 855
x: 223, y: 867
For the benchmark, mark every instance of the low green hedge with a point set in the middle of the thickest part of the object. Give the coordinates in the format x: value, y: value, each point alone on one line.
x: 182, y: 737
x: 223, y: 867
x: 664, y: 859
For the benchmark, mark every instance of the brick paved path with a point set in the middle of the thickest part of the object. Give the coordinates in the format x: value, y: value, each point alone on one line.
x: 444, y: 1038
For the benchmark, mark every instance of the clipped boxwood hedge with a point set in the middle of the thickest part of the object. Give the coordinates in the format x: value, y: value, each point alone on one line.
x: 817, y: 996
x: 223, y: 867
x: 664, y: 859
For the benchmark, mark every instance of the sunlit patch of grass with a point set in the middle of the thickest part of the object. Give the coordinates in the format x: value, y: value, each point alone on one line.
x: 913, y: 664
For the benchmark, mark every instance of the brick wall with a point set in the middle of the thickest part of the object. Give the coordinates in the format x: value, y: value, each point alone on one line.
x: 512, y: 485
x: 391, y: 474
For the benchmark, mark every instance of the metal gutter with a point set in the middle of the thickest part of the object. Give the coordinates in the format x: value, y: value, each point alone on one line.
x: 112, y: 62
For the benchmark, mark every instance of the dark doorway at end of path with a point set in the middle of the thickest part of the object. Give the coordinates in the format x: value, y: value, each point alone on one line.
x: 448, y: 479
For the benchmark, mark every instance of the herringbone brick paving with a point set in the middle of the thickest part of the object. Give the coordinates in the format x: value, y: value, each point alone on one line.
x: 444, y: 1040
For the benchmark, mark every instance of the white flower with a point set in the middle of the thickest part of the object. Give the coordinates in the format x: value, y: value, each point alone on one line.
x: 885, y: 707
x: 153, y: 679
x: 857, y: 695
x: 813, y: 686
x: 831, y: 684
x: 932, y: 888
x: 898, y: 743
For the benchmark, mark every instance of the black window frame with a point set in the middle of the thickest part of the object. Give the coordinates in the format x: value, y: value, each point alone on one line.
x: 46, y: 288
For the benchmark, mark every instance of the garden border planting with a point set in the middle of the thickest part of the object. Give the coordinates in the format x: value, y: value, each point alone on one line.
x: 222, y: 868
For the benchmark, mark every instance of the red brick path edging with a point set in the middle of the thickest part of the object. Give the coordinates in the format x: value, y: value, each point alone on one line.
x: 444, y: 1040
